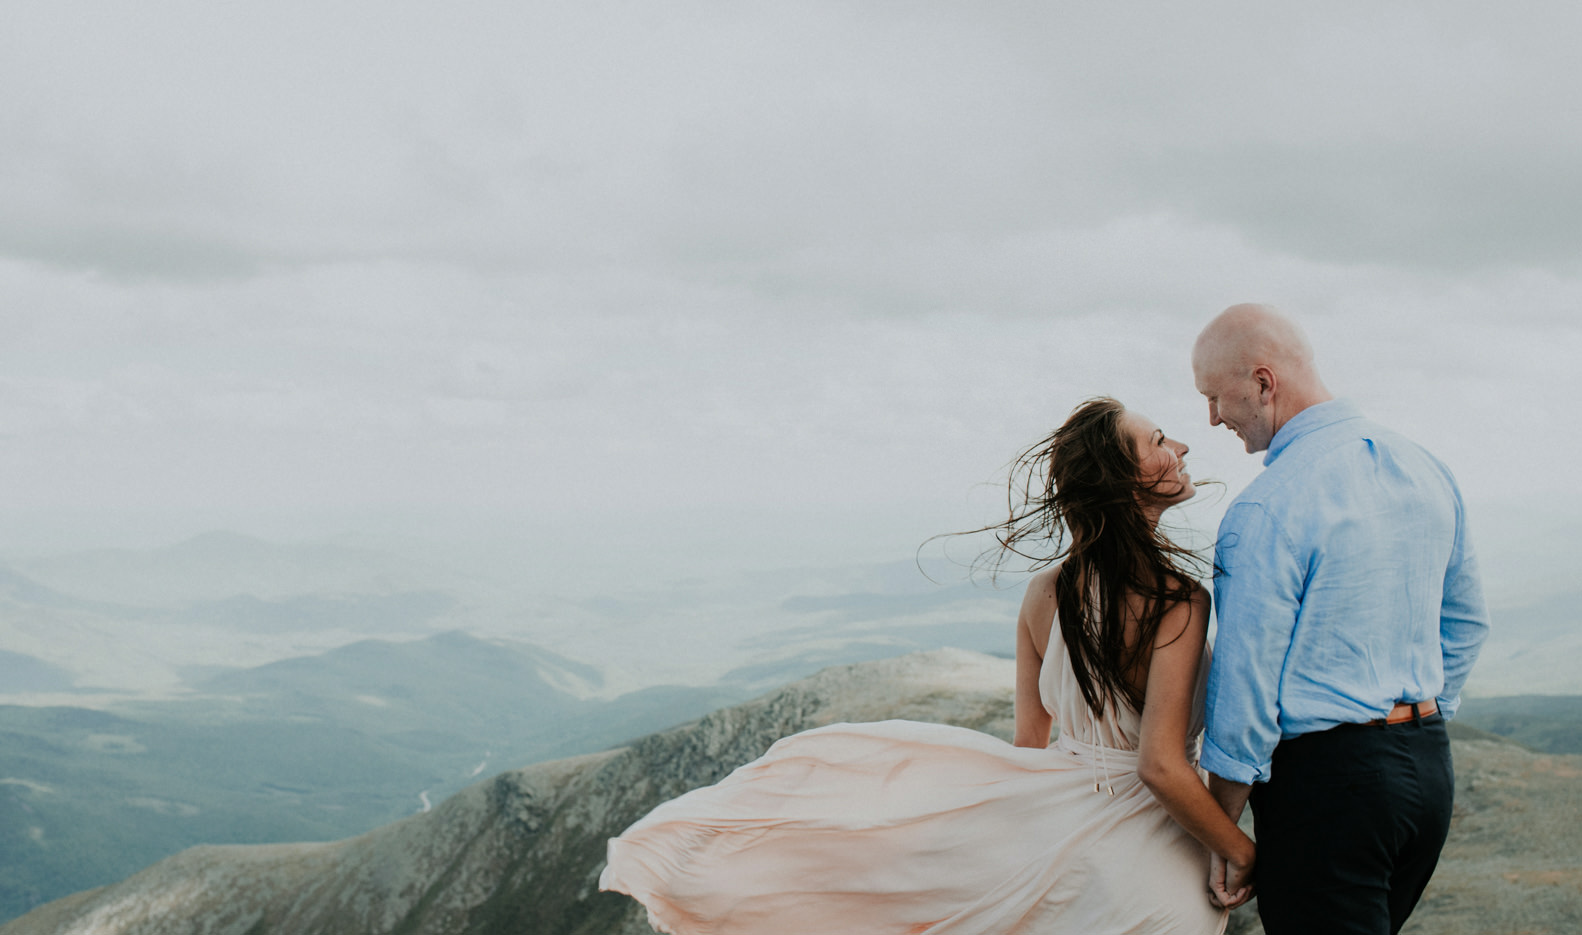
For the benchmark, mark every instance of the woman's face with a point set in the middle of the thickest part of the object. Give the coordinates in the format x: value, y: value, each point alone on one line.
x: 1159, y: 459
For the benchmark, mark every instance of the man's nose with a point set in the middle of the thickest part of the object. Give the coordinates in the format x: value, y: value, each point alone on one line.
x: 1213, y: 414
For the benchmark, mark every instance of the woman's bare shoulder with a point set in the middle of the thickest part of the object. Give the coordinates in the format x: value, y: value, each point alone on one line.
x: 1186, y: 616
x: 1041, y: 588
x: 1038, y: 606
x: 1044, y: 581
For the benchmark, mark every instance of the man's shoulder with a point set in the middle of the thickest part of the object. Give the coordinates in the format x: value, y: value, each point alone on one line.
x: 1276, y: 484
x: 1408, y: 450
x: 1325, y: 464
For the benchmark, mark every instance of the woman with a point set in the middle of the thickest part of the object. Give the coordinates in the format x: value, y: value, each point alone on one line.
x: 924, y: 829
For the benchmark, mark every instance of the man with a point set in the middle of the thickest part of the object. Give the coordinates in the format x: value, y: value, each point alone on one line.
x: 1350, y: 612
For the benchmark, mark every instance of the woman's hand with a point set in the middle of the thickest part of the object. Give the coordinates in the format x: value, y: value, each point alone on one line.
x: 1162, y: 762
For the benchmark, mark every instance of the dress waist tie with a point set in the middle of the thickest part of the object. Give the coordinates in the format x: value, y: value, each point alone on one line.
x: 1098, y: 756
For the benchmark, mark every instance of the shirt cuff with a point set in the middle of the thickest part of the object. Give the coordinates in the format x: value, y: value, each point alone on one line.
x: 1448, y: 706
x: 1224, y: 766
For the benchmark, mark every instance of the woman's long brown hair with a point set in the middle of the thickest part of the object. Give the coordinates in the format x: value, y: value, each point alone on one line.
x: 1075, y: 497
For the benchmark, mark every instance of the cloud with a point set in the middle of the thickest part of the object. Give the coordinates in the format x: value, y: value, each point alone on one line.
x: 222, y: 143
x: 822, y: 259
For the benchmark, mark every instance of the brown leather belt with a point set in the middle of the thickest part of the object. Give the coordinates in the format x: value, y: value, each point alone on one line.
x: 1404, y: 712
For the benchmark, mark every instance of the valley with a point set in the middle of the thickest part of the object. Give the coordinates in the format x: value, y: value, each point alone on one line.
x: 229, y: 690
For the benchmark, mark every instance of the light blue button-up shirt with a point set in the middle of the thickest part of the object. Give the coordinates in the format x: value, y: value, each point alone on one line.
x: 1346, y: 584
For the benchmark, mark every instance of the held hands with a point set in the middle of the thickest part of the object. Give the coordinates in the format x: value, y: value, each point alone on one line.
x: 1229, y: 882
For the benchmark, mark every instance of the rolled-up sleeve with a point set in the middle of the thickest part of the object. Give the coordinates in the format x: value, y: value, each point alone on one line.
x: 1463, y: 617
x: 1257, y: 592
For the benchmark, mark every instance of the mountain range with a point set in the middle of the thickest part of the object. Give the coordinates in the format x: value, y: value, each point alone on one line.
x: 521, y: 852
x: 312, y: 748
x: 231, y: 690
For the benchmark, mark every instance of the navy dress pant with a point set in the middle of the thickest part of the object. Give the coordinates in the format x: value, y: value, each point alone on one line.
x: 1350, y: 826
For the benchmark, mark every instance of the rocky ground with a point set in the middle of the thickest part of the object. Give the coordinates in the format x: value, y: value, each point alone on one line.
x: 1513, y: 863
x: 522, y: 852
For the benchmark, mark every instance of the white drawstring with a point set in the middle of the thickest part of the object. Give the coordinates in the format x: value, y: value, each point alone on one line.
x: 1097, y: 756
x: 1103, y: 761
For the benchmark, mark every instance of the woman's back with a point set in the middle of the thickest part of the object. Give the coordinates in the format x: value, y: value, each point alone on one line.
x: 1120, y: 726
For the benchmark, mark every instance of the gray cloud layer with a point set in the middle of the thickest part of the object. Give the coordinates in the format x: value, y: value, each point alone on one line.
x: 799, y: 257
x: 182, y: 140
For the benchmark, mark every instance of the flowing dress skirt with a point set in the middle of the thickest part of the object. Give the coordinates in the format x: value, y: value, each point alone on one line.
x: 910, y: 828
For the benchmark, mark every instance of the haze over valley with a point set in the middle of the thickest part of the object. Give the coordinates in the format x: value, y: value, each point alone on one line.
x: 226, y: 689
x: 230, y: 689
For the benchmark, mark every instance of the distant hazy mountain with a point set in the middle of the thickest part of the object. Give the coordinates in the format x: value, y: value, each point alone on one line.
x: 450, y: 681
x: 22, y: 673
x: 81, y: 641
x: 124, y: 622
x: 141, y: 621
x: 522, y: 852
x: 121, y: 622
x: 1547, y: 723
x: 402, y: 612
x: 18, y: 589
x: 219, y: 565
x: 313, y: 748
x: 1533, y: 648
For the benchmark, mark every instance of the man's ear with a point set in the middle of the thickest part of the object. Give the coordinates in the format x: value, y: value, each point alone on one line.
x: 1266, y: 383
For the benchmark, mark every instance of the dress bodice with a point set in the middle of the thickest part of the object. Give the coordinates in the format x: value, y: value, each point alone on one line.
x: 1120, y: 726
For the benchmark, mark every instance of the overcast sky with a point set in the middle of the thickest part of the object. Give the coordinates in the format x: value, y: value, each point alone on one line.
x: 797, y: 275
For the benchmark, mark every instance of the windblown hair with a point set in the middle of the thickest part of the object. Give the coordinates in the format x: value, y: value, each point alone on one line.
x: 1076, y: 497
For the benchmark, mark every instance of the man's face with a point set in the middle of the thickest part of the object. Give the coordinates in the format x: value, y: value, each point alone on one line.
x: 1234, y: 401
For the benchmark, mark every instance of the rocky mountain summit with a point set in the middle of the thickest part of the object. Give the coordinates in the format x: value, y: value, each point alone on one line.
x: 522, y: 852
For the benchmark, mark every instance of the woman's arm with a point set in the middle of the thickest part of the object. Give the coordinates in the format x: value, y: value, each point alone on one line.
x: 1167, y: 713
x: 1033, y: 721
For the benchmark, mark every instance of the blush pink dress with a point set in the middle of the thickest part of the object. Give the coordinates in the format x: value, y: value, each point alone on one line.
x: 910, y: 828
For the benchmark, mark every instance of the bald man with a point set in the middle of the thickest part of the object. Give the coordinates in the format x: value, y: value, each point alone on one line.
x: 1350, y: 612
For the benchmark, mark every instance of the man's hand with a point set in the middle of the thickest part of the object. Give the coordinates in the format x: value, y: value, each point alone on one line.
x: 1229, y: 882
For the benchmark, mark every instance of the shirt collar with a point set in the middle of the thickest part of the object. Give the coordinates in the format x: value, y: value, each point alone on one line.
x: 1310, y: 420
